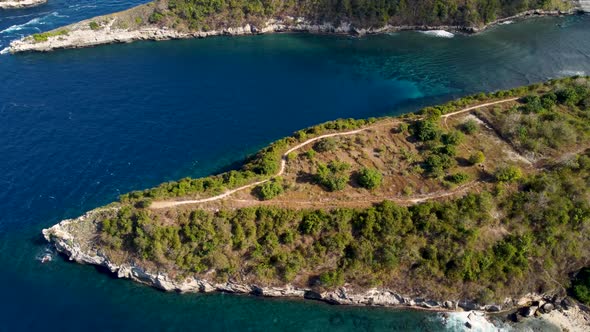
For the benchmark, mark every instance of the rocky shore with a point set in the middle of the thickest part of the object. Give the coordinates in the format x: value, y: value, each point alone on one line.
x: 84, y: 34
x: 78, y: 246
x: 15, y: 4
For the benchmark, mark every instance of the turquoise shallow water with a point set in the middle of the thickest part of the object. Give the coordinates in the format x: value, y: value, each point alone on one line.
x: 79, y: 127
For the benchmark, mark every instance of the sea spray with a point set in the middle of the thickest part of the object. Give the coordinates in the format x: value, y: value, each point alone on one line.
x: 474, y: 321
x: 33, y: 24
x: 438, y: 33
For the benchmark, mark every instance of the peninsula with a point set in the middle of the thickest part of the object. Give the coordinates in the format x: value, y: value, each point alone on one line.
x: 178, y: 19
x: 482, y: 203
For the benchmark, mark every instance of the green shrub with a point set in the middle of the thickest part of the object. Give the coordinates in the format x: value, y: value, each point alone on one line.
x: 436, y: 164
x: 312, y: 224
x: 270, y: 189
x: 508, y: 174
x: 452, y: 138
x: 156, y: 17
x: 426, y: 130
x: 325, y: 145
x: 332, y: 279
x: 581, y: 286
x: 42, y: 37
x: 333, y: 176
x: 93, y: 25
x: 370, y: 178
x: 458, y: 178
x: 568, y: 96
x: 477, y: 158
x: 469, y: 127
x: 403, y: 128
x: 144, y: 203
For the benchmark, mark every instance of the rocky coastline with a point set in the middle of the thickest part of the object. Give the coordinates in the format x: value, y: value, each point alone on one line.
x: 16, y: 4
x: 80, y: 35
x: 554, y: 308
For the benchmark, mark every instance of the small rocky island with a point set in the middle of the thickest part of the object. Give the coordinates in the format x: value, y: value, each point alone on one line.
x: 482, y: 203
x: 180, y: 19
x: 16, y: 4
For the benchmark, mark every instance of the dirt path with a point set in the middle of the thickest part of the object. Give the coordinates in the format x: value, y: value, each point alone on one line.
x: 168, y: 204
x: 469, y: 109
x: 358, y: 202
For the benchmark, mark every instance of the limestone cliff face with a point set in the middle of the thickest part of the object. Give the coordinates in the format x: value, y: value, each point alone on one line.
x: 74, y: 238
x: 109, y: 31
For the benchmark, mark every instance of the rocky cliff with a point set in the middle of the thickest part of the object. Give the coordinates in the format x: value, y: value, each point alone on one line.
x: 109, y: 29
x: 75, y: 239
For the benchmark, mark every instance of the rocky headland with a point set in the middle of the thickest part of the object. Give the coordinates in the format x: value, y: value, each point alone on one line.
x: 493, y: 244
x: 118, y: 28
x: 73, y: 238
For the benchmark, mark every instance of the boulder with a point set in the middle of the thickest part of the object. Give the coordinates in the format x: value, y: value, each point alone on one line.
x: 529, y: 311
x: 493, y: 308
x: 567, y: 303
x: 547, y: 308
x: 311, y: 295
x: 469, y: 305
x: 449, y: 305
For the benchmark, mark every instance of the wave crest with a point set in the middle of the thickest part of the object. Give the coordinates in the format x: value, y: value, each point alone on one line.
x: 438, y: 33
x: 32, y: 24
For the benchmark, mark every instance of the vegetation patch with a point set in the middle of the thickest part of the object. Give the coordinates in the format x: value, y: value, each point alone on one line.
x: 43, y: 37
x: 93, y: 25
x: 270, y: 189
x: 519, y: 227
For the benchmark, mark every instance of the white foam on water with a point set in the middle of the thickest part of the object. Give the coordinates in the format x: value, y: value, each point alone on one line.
x: 33, y: 24
x: 21, y: 16
x: 80, y: 7
x: 572, y: 73
x: 506, y: 22
x: 438, y: 33
x: 473, y: 321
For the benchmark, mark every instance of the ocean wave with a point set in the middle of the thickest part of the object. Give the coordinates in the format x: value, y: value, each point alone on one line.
x: 572, y: 73
x: 438, y: 33
x: 474, y: 321
x: 32, y: 24
x: 79, y: 7
x: 506, y: 22
x: 22, y: 16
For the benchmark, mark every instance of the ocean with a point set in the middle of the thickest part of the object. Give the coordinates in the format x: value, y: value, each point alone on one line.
x: 80, y: 127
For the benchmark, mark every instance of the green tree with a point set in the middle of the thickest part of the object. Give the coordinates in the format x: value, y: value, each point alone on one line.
x: 332, y: 279
x: 581, y: 285
x: 426, y: 130
x: 370, y: 178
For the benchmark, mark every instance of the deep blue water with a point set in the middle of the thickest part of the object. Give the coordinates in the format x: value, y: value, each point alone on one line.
x: 79, y: 127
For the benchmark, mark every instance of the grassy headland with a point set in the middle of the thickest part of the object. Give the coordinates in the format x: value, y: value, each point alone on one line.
x: 483, y: 203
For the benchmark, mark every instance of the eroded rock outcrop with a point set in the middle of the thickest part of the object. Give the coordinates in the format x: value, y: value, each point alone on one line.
x: 88, y: 33
x: 75, y: 238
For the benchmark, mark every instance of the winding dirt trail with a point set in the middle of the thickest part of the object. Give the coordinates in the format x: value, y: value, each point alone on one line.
x: 168, y: 204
